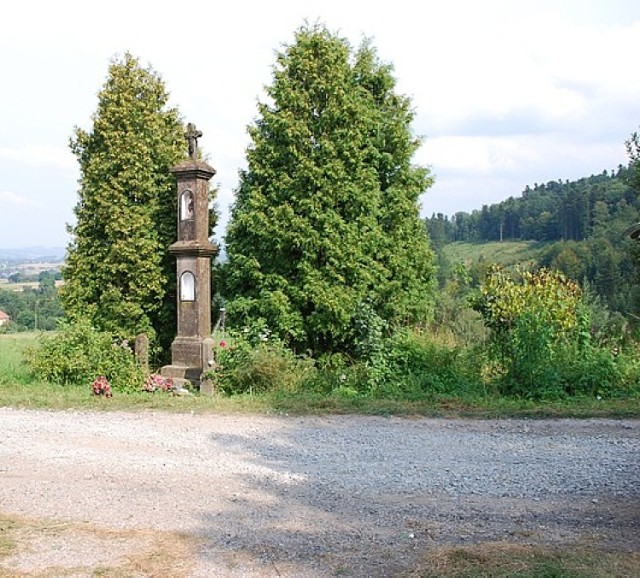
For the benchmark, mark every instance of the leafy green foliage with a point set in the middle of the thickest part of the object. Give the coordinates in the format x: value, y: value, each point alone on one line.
x: 530, y: 320
x: 407, y: 365
x: 423, y: 365
x: 370, y: 343
x: 334, y: 387
x: 633, y: 150
x: 118, y: 270
x: 547, y: 294
x: 541, y: 338
x: 453, y: 315
x: 31, y: 309
x: 326, y: 216
x: 557, y: 210
x: 78, y: 353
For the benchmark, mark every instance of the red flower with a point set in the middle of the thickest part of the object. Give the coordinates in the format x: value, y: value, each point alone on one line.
x: 223, y: 344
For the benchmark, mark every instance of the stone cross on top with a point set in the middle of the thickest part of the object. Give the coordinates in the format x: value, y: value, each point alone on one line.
x: 192, y: 135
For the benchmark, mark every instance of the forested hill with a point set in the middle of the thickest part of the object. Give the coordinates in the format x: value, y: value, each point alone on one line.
x: 582, y: 224
x: 570, y: 211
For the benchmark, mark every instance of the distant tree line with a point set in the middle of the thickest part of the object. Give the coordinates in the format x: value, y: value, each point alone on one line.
x: 22, y: 277
x: 556, y: 211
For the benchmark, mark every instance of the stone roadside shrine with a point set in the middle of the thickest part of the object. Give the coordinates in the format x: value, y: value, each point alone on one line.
x: 192, y: 349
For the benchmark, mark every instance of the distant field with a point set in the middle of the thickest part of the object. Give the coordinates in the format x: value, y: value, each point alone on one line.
x: 35, y: 268
x: 28, y: 270
x: 22, y: 286
x: 506, y: 252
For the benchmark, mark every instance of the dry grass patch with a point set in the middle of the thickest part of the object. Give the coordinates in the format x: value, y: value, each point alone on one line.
x: 44, y: 548
x: 505, y: 560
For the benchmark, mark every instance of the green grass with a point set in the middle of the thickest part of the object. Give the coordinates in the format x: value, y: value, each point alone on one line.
x: 300, y: 403
x: 13, y: 369
x: 19, y: 389
x: 505, y: 253
x: 504, y: 560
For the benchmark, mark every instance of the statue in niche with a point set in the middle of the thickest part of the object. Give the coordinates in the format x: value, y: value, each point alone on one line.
x: 186, y: 205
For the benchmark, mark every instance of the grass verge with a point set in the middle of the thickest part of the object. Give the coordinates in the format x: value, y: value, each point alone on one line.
x: 500, y: 560
x: 55, y: 397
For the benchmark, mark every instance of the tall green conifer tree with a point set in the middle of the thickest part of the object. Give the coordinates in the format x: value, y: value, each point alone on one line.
x: 118, y: 270
x: 326, y: 216
x: 633, y: 149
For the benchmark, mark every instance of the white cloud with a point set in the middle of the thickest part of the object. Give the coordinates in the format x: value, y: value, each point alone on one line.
x: 471, y: 172
x: 497, y: 64
x: 10, y: 198
x: 519, y: 155
x: 476, y: 154
x: 40, y: 156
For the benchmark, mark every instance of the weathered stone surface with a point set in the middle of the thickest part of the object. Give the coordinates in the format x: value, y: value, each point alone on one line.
x: 181, y: 374
x: 207, y: 387
x: 192, y: 135
x: 141, y: 350
x: 187, y: 351
x: 207, y: 353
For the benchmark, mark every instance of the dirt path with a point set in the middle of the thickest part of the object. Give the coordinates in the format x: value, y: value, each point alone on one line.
x: 190, y: 495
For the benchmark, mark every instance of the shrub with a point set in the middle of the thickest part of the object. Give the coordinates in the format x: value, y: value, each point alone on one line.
x: 77, y: 354
x: 370, y: 344
x: 338, y: 374
x: 532, y: 317
x: 544, y: 342
x: 597, y: 371
x: 408, y: 365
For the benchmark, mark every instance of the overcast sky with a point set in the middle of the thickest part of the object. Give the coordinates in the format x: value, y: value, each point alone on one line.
x: 507, y: 93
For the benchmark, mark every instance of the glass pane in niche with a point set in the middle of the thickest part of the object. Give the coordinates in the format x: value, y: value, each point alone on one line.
x: 187, y: 286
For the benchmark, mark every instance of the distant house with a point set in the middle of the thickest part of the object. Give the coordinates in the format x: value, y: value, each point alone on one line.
x: 4, y: 318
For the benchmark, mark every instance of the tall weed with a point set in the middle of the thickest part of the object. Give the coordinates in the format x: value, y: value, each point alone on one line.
x: 253, y: 361
x: 422, y: 364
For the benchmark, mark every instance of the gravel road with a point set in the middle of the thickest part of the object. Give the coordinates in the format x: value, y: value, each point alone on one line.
x: 312, y: 496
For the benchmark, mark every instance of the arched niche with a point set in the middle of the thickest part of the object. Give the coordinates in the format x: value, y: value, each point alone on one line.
x: 187, y: 286
x: 186, y: 206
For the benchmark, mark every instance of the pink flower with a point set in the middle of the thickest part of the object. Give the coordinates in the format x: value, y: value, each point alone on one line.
x: 155, y: 381
x: 101, y: 386
x: 223, y: 344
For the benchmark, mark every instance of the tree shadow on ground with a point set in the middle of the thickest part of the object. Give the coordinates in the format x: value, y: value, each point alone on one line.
x: 323, y: 497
